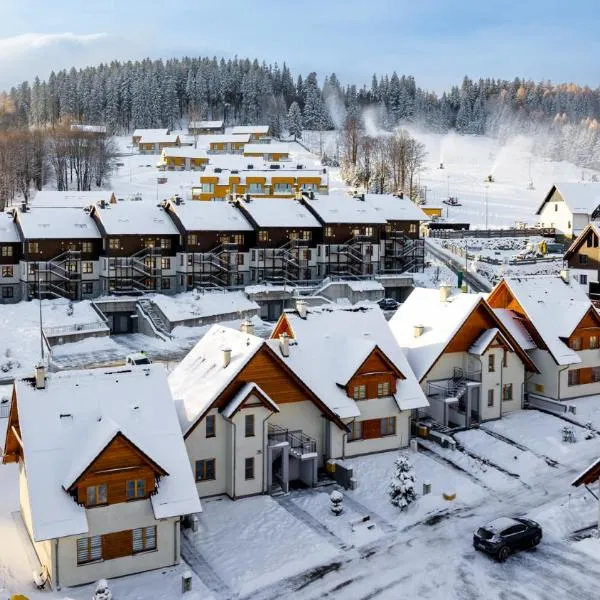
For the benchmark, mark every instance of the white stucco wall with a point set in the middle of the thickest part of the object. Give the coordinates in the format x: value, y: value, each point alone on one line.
x: 557, y: 215
x: 589, y: 358
x: 109, y: 519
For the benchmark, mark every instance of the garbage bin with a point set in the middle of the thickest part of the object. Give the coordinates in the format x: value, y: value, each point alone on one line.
x: 186, y: 582
x: 460, y: 275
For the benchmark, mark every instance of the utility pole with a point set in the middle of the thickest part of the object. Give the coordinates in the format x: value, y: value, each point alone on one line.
x: 39, y: 287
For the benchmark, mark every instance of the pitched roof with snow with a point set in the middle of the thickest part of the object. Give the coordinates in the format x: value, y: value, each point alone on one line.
x: 393, y: 208
x: 205, y: 124
x: 227, y: 138
x: 248, y: 129
x: 245, y: 391
x: 342, y: 208
x: 554, y: 307
x: 135, y: 218
x: 201, y: 376
x: 159, y: 138
x: 440, y: 320
x: 332, y: 343
x: 184, y: 152
x: 266, y: 212
x: 70, y: 199
x: 580, y: 197
x: 9, y: 234
x: 266, y: 149
x: 57, y: 223
x: 514, y: 324
x: 150, y: 132
x: 95, y: 405
x: 210, y: 216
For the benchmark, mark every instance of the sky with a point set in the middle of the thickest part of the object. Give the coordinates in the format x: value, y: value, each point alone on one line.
x: 437, y: 41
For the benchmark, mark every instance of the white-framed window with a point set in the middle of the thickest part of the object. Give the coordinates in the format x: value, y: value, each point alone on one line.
x: 583, y: 279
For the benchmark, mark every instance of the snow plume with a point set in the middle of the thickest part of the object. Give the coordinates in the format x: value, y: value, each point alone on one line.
x: 335, y: 107
x: 372, y: 118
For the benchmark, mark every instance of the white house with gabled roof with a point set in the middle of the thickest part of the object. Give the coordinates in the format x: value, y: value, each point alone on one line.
x: 104, y: 475
x: 470, y: 365
x: 257, y: 414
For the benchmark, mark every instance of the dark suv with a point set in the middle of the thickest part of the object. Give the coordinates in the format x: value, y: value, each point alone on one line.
x: 506, y: 535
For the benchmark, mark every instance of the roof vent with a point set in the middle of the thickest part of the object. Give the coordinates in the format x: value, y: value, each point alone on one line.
x: 40, y: 377
x: 301, y: 307
x: 418, y: 330
x: 284, y: 344
x: 445, y: 291
x: 565, y: 276
x: 226, y: 357
x: 247, y: 326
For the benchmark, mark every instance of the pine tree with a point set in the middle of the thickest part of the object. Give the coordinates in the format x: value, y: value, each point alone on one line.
x: 402, y: 487
x: 294, y: 121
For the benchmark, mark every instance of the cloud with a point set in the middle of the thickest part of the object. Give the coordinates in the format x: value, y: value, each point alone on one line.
x: 19, y: 45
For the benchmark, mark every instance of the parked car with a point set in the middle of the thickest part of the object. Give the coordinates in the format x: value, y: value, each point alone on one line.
x: 138, y: 358
x: 506, y: 535
x: 388, y: 304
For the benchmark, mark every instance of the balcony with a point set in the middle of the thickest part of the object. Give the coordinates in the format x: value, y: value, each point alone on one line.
x: 302, y: 446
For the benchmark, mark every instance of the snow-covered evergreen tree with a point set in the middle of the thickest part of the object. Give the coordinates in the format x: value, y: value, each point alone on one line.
x: 294, y: 121
x: 402, y: 487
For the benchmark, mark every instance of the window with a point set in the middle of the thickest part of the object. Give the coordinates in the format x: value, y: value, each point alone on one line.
x: 593, y: 342
x: 190, y: 260
x: 505, y: 359
x: 255, y: 188
x: 144, y: 539
x: 87, y: 287
x: 165, y: 283
x: 165, y: 263
x: 7, y: 251
x: 490, y: 397
x: 383, y: 389
x: 412, y: 228
x: 369, y: 231
x: 583, y: 259
x: 96, y: 495
x: 355, y: 432
x: 249, y: 468
x: 238, y: 239
x: 192, y: 239
x: 283, y: 188
x: 328, y: 232
x: 583, y: 279
x: 240, y: 259
x: 210, y: 426
x: 507, y: 392
x: 576, y: 343
x: 149, y: 243
x: 388, y: 426
x: 33, y: 247
x: 491, y: 363
x: 208, y: 188
x: 573, y: 377
x: 205, y: 469
x: 86, y: 247
x: 89, y: 549
x: 556, y: 208
x: 72, y: 267
x: 136, y: 488
x: 165, y: 243
x: 7, y: 271
x: 7, y: 292
x: 263, y: 236
x: 114, y: 243
x: 306, y: 235
x: 359, y: 392
x: 595, y: 374
x: 249, y: 425
x: 32, y: 269
x: 87, y: 266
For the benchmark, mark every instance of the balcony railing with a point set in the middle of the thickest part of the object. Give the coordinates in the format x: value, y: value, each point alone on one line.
x: 300, y: 443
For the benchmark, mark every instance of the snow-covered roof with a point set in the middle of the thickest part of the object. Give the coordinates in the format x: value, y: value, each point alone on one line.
x: 244, y: 392
x: 393, y: 208
x: 150, y: 132
x: 89, y: 128
x: 267, y: 212
x: 227, y: 138
x: 201, y: 376
x: 580, y: 197
x: 343, y: 208
x: 70, y: 199
x: 184, y: 152
x: 9, y: 234
x: 554, y: 307
x: 136, y: 218
x: 516, y: 328
x: 266, y: 149
x: 95, y: 404
x: 57, y: 223
x: 211, y: 216
x: 367, y: 285
x: 248, y: 129
x: 193, y: 305
x: 482, y: 343
x: 205, y: 124
x: 332, y: 343
x: 440, y: 321
x: 159, y: 138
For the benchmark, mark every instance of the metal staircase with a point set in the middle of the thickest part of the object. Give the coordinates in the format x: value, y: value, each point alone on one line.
x: 214, y: 269
x: 402, y: 253
x: 60, y: 277
x: 144, y: 272
x: 350, y: 258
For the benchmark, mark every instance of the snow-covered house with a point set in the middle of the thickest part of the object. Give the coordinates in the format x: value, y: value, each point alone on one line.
x: 227, y: 143
x: 154, y: 143
x: 268, y: 152
x: 10, y: 259
x: 582, y: 258
x: 93, y: 130
x: 569, y: 207
x: 257, y: 133
x: 561, y: 327
x: 184, y: 158
x: 104, y: 475
x: 205, y: 127
x: 257, y: 414
x: 139, y: 133
x: 470, y: 365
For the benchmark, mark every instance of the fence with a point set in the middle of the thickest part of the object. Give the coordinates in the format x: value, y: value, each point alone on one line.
x: 452, y: 234
x: 496, y: 261
x: 4, y: 409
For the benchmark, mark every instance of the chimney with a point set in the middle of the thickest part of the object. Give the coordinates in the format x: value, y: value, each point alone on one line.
x: 284, y: 344
x: 247, y: 326
x: 226, y: 357
x: 445, y: 291
x: 40, y: 377
x: 418, y: 330
x: 565, y: 276
x: 301, y: 307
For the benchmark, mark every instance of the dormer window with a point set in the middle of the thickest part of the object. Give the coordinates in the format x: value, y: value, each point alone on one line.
x: 96, y: 495
x: 136, y: 488
x: 359, y: 392
x: 383, y: 389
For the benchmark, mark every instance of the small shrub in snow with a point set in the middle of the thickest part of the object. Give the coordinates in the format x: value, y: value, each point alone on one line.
x: 102, y: 591
x: 402, y: 487
x: 336, y: 499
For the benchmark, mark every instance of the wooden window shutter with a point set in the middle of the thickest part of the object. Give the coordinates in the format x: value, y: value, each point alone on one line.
x: 116, y: 545
x: 371, y: 429
x: 585, y: 375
